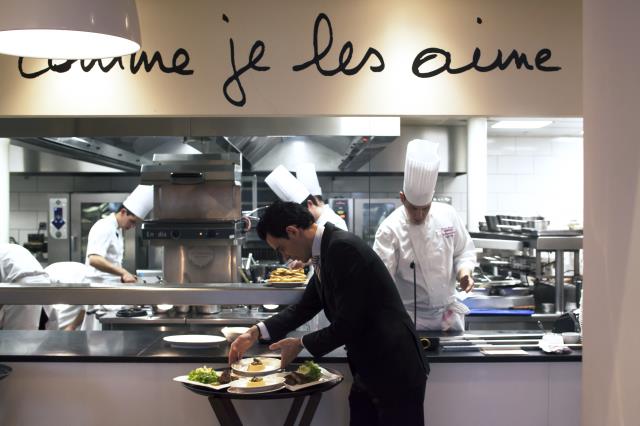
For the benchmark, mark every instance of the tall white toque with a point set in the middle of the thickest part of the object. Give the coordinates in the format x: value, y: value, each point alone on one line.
x: 306, y: 173
x: 421, y: 171
x: 140, y: 201
x: 286, y: 186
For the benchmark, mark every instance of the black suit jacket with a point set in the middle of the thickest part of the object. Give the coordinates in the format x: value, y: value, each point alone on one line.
x: 366, y: 314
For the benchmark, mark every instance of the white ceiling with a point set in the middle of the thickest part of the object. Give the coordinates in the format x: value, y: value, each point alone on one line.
x: 560, y: 127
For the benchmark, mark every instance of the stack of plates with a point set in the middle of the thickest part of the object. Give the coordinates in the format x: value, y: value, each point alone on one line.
x: 194, y: 341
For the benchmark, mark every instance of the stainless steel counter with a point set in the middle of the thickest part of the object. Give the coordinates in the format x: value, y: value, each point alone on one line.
x: 174, y: 322
x: 148, y: 294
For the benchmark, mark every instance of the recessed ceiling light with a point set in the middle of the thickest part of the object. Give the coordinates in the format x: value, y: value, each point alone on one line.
x: 521, y: 124
x: 69, y: 29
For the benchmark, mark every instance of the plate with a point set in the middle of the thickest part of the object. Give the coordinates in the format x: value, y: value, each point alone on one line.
x: 241, y: 368
x: 185, y: 379
x: 194, y: 340
x: 286, y: 284
x: 326, y: 376
x: 271, y: 383
x: 240, y: 391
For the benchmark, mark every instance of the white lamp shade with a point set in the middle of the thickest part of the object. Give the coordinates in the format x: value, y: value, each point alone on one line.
x: 69, y: 29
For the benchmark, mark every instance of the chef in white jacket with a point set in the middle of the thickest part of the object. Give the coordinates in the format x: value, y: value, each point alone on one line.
x: 105, y: 245
x: 306, y: 174
x: 290, y: 189
x: 18, y: 266
x: 432, y: 237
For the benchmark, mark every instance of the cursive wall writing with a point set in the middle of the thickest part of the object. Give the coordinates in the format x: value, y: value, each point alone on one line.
x: 179, y: 64
x: 428, y: 63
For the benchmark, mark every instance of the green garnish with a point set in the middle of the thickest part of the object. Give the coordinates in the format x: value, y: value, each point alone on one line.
x: 310, y: 370
x: 204, y: 375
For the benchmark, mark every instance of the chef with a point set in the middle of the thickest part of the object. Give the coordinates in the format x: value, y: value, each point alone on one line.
x: 306, y: 174
x: 17, y: 265
x: 105, y: 245
x: 288, y: 188
x: 431, y: 236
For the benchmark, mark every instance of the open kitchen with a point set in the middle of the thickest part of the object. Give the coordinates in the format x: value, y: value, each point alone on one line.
x: 196, y: 134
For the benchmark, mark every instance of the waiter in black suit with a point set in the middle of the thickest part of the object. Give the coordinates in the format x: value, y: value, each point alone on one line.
x: 365, y: 312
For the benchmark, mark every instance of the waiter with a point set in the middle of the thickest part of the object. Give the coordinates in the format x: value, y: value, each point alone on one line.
x: 290, y: 189
x: 105, y: 245
x: 431, y: 237
x: 17, y: 265
x: 384, y: 355
x: 306, y: 174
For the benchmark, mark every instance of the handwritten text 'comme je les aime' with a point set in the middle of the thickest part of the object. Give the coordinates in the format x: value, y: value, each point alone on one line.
x: 428, y: 63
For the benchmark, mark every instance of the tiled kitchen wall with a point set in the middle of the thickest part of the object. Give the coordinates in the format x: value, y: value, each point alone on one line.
x: 527, y: 177
x: 536, y: 177
x: 30, y: 202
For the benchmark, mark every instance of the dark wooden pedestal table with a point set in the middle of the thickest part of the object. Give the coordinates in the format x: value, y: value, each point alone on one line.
x: 4, y: 371
x: 222, y: 402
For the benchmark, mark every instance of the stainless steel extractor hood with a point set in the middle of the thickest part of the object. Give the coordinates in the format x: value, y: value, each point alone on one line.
x: 334, y: 144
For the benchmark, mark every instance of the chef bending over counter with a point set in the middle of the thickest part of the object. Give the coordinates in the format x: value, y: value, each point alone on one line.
x: 430, y: 237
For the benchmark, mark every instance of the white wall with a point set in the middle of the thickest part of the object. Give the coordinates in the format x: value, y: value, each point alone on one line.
x: 536, y: 176
x: 611, y: 374
x: 30, y: 196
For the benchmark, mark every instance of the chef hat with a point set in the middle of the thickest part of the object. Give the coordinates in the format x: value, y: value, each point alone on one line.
x: 306, y: 173
x: 140, y: 201
x: 420, y: 171
x: 286, y: 187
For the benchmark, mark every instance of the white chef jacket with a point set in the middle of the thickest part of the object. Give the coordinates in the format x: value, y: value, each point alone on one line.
x: 328, y: 215
x: 105, y: 239
x: 61, y: 315
x: 440, y: 247
x: 17, y: 265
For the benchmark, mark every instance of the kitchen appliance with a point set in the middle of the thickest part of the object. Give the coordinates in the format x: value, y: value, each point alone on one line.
x: 369, y: 214
x: 71, y: 217
x: 343, y: 208
x: 197, y: 217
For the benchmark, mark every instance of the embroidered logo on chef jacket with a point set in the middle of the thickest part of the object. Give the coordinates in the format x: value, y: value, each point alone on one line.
x: 448, y: 232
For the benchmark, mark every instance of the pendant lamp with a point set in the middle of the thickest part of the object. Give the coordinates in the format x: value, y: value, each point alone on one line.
x: 69, y: 29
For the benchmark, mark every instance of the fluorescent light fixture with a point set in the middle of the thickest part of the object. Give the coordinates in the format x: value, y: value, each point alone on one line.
x: 521, y: 124
x: 69, y: 29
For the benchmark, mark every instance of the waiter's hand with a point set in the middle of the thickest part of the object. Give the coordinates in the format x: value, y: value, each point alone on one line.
x: 128, y: 278
x: 242, y: 343
x: 295, y: 264
x: 289, y: 349
x: 466, y: 283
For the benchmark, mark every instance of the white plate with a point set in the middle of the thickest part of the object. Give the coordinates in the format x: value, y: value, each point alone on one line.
x: 185, y: 379
x: 241, y: 391
x: 241, y: 368
x: 271, y: 382
x: 231, y: 333
x: 326, y: 376
x: 194, y: 340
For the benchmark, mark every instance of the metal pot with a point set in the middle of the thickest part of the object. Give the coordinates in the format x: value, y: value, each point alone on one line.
x: 208, y: 309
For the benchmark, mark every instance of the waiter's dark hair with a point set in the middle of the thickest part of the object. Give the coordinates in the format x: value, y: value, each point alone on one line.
x: 279, y: 215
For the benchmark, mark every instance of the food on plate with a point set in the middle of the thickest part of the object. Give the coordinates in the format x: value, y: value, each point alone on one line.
x: 309, y: 371
x: 205, y: 375
x: 284, y: 275
x: 256, y: 365
x: 255, y: 382
x: 226, y: 377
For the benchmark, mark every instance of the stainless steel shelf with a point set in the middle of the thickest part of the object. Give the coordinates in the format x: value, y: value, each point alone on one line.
x: 126, y: 294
